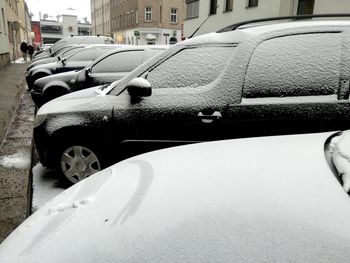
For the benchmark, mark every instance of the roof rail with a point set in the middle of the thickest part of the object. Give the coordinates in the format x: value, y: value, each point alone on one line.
x: 297, y: 17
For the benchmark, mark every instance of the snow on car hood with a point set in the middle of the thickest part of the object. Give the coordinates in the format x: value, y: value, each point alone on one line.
x: 87, y: 99
x: 271, y: 199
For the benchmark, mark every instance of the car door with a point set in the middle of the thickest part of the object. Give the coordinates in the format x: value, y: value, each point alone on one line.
x: 186, y: 102
x: 292, y: 86
x: 114, y: 66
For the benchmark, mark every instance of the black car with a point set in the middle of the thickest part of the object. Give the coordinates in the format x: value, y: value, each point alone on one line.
x: 74, y: 40
x: 59, y: 54
x: 78, y: 60
x: 104, y: 70
x: 283, y: 78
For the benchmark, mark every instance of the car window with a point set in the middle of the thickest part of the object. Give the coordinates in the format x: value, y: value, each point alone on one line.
x: 151, y: 53
x: 119, y: 62
x: 89, y: 54
x: 298, y: 65
x: 69, y: 52
x: 191, y: 67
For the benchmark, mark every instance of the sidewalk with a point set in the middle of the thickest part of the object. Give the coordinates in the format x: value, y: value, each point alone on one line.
x: 16, y: 118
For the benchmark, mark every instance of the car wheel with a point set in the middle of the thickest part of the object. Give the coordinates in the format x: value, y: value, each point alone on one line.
x: 79, y: 162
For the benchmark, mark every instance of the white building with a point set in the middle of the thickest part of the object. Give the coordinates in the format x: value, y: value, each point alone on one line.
x: 222, y: 13
x: 65, y: 25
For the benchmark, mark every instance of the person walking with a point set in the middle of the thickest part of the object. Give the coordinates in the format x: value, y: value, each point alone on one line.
x: 30, y: 51
x: 24, y: 49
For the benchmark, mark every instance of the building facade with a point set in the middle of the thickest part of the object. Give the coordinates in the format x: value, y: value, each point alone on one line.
x: 142, y: 22
x: 65, y: 25
x: 15, y: 28
x: 4, y: 36
x: 221, y: 13
x: 100, y: 17
x: 37, y: 34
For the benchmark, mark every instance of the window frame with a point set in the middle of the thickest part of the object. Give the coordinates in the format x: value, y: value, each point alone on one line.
x: 252, y: 3
x: 228, y: 5
x: 173, y: 15
x: 193, y: 7
x: 148, y: 13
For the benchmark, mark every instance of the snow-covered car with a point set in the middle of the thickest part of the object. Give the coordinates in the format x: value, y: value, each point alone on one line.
x: 73, y: 40
x: 76, y: 61
x: 258, y: 80
x: 104, y: 70
x: 267, y: 199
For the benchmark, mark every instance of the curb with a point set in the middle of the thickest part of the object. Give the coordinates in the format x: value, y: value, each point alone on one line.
x: 15, y: 167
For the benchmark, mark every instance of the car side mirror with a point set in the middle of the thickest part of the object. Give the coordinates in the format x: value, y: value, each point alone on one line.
x: 59, y: 58
x: 139, y: 87
x: 63, y: 61
x: 88, y: 72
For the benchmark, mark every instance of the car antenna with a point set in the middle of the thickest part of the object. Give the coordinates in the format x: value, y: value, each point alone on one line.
x: 201, y: 24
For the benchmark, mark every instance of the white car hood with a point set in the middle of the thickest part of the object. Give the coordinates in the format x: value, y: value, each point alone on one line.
x: 269, y: 199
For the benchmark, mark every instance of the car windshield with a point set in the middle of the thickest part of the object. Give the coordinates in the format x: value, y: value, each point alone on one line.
x: 89, y: 54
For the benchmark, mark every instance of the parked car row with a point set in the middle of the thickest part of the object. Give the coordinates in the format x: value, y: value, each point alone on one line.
x: 287, y: 79
x: 275, y: 79
x: 103, y: 70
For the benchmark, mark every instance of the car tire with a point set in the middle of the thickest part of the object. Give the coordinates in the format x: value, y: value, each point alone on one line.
x: 77, y: 162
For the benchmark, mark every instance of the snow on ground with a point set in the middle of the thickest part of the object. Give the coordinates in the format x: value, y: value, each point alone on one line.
x: 18, y: 160
x: 46, y: 185
x: 20, y: 61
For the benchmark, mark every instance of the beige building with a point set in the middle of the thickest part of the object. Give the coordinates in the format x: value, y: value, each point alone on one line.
x: 100, y: 17
x: 24, y: 24
x: 4, y: 35
x: 16, y: 21
x: 141, y: 22
x: 227, y: 12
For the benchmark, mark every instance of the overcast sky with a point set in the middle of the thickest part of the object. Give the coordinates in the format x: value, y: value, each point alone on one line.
x: 59, y: 7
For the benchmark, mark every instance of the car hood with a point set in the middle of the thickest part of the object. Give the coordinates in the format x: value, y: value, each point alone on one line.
x: 268, y: 199
x: 43, y: 66
x: 83, y: 100
x: 65, y: 77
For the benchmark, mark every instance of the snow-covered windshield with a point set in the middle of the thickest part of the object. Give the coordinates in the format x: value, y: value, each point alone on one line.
x: 338, y: 151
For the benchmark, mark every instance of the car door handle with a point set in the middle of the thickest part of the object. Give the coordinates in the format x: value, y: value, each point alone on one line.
x: 209, y: 118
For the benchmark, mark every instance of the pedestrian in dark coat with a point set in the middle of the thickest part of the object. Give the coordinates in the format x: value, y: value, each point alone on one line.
x: 30, y: 51
x: 24, y: 49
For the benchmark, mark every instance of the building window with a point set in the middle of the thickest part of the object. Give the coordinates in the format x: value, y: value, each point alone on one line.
x: 70, y: 29
x: 252, y: 3
x: 192, y: 8
x: 148, y: 13
x: 306, y: 7
x: 1, y: 26
x: 228, y: 5
x: 136, y: 16
x: 173, y: 15
x: 213, y: 7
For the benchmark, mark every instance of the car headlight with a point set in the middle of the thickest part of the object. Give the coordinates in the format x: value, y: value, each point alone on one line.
x: 39, y: 119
